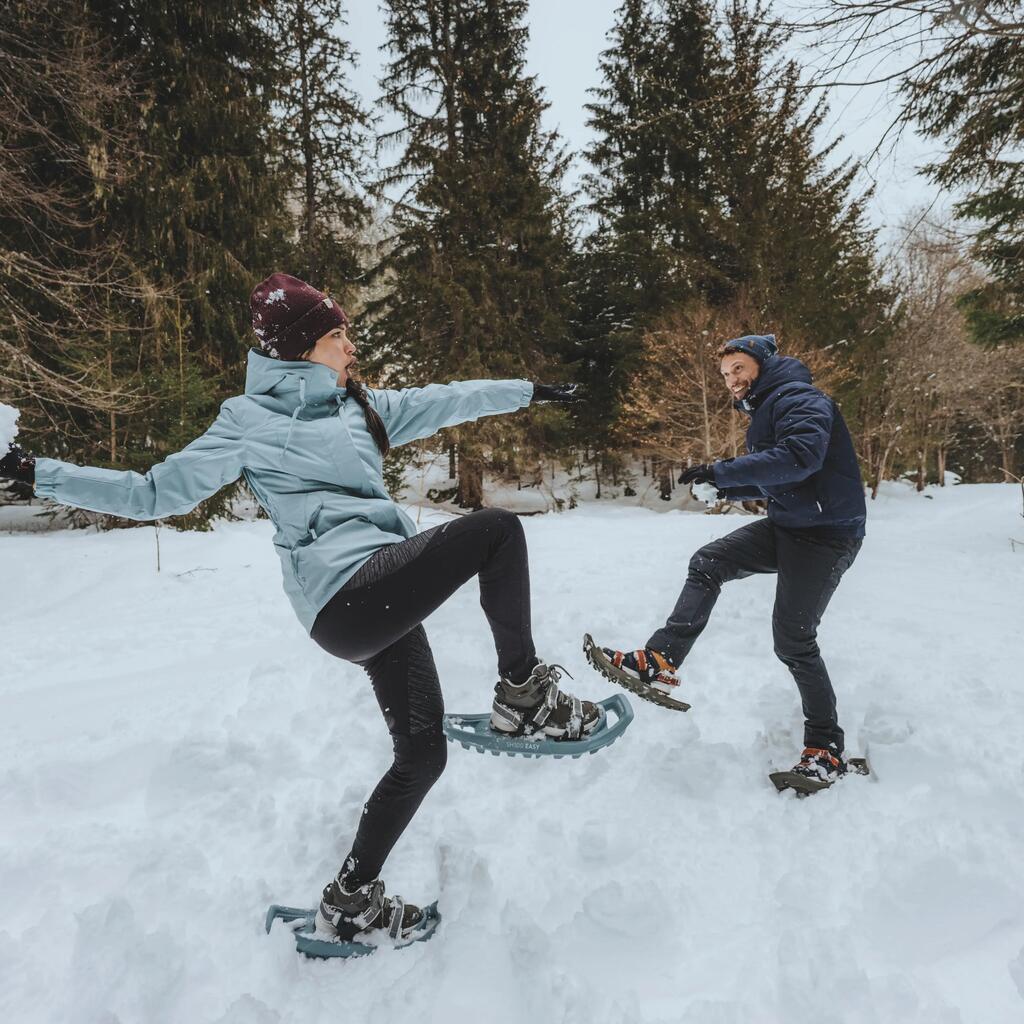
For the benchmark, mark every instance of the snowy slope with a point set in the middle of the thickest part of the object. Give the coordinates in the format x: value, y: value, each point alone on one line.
x: 177, y: 755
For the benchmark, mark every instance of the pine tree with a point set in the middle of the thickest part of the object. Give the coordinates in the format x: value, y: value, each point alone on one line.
x: 325, y: 131
x: 204, y: 213
x: 798, y: 247
x: 711, y: 192
x: 974, y: 100
x: 651, y: 191
x: 654, y: 239
x: 66, y: 286
x: 479, y: 252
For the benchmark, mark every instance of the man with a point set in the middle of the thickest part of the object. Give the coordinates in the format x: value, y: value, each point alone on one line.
x: 802, y: 462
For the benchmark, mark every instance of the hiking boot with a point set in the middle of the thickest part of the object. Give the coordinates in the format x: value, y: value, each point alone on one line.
x: 538, y: 706
x: 647, y: 673
x: 363, y: 913
x: 821, y: 766
x: 647, y: 666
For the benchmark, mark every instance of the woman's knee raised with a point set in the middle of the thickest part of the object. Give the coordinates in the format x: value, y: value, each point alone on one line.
x: 500, y: 519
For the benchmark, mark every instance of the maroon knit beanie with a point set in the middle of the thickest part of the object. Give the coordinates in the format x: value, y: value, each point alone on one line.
x: 289, y: 316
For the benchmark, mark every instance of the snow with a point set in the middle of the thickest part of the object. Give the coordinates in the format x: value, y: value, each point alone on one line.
x: 708, y: 493
x: 177, y: 755
x: 8, y: 427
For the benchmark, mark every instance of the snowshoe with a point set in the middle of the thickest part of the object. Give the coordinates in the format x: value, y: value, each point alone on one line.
x: 356, y: 923
x: 818, y: 769
x: 474, y: 732
x: 646, y: 673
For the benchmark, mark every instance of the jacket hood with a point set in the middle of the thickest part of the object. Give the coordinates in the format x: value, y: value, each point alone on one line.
x: 297, y: 381
x: 777, y: 370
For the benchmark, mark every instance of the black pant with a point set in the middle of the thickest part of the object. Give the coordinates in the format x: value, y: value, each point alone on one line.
x: 374, y: 621
x: 809, y: 566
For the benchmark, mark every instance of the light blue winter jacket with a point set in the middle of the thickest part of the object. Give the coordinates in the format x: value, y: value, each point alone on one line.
x: 307, y: 456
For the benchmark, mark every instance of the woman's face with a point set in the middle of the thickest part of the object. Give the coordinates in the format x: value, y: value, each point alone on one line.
x: 335, y: 350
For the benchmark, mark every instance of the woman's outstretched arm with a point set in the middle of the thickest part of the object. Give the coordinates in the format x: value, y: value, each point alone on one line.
x: 171, y: 488
x: 412, y: 413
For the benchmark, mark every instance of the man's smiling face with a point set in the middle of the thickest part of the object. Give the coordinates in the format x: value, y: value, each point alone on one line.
x: 739, y: 372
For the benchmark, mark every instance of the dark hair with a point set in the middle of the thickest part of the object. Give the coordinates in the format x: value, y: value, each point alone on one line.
x: 374, y: 424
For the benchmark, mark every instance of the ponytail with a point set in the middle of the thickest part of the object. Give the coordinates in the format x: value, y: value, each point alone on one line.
x: 374, y: 423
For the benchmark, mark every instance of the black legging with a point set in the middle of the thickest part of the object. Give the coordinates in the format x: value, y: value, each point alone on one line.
x: 375, y: 621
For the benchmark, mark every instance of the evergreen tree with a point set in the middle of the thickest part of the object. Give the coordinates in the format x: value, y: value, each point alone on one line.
x: 651, y: 191
x: 479, y: 252
x: 205, y: 212
x: 66, y: 287
x: 325, y: 132
x: 975, y: 100
x: 653, y: 243
x: 796, y: 240
x: 711, y: 192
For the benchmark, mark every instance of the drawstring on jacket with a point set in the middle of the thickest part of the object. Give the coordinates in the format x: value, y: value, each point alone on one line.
x: 298, y: 409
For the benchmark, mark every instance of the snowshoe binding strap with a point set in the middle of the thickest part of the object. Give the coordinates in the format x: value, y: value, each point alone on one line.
x: 552, y: 697
x: 543, y: 681
x: 397, y: 916
x: 358, y: 909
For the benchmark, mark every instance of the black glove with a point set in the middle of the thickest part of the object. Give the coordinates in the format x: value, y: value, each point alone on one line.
x: 18, y: 465
x: 558, y: 393
x: 700, y: 474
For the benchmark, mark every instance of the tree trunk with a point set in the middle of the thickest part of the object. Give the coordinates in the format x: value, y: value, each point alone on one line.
x: 113, y: 415
x: 940, y: 464
x: 883, y: 462
x: 451, y: 462
x: 309, y: 184
x: 922, y: 467
x: 665, y: 479
x: 708, y: 453
x: 470, y: 493
x: 1009, y: 461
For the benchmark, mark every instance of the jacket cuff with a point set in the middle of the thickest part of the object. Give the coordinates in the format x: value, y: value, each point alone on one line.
x: 46, y: 474
x: 527, y: 393
x: 718, y: 473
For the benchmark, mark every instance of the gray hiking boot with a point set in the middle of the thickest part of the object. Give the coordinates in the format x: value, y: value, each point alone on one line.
x: 365, y: 913
x: 538, y: 706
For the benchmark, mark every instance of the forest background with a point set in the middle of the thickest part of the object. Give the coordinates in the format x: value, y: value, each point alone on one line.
x: 158, y: 159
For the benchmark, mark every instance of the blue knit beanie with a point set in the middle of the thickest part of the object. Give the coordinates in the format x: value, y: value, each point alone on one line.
x: 761, y: 346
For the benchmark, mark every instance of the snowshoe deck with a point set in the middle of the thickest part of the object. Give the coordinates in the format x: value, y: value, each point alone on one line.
x: 302, y: 923
x: 804, y: 786
x: 597, y: 660
x: 475, y: 732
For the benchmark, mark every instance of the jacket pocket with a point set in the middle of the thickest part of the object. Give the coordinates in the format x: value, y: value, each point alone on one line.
x: 312, y: 519
x: 310, y: 537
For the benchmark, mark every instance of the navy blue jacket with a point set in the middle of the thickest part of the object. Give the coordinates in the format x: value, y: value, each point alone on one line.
x: 800, y: 454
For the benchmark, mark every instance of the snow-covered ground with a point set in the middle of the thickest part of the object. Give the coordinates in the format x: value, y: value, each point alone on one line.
x: 177, y: 755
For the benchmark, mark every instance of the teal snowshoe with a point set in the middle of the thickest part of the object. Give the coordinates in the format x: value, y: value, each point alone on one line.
x: 536, y: 719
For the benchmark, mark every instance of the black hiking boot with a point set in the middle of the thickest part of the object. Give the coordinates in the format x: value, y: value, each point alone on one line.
x: 364, y: 913
x: 539, y: 706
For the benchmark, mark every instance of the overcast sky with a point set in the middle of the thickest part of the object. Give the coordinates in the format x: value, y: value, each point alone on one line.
x: 566, y: 37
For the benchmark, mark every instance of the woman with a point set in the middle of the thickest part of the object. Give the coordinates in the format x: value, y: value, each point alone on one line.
x: 309, y: 439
